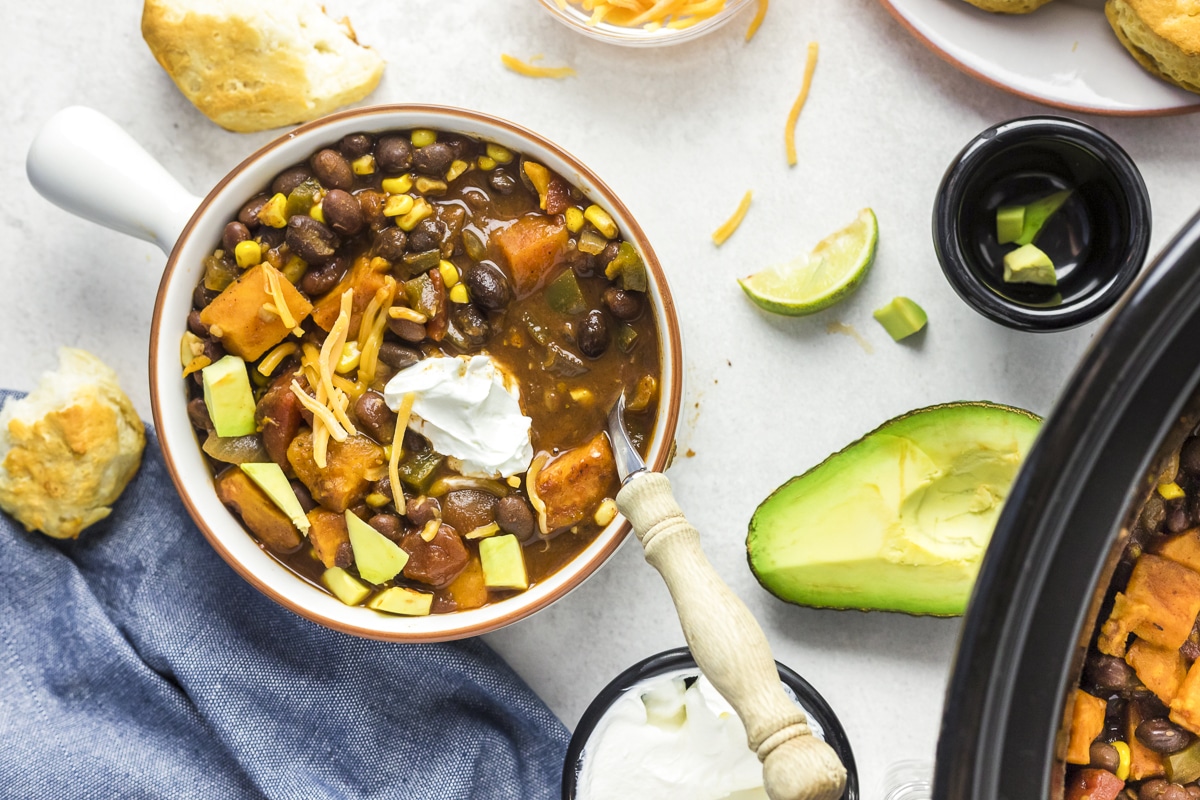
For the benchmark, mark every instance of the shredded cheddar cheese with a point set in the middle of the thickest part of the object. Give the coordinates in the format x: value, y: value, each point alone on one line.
x: 759, y: 15
x: 532, y: 71
x: 730, y: 225
x: 402, y: 417
x: 371, y: 330
x: 789, y: 135
x: 650, y: 15
x: 279, y: 307
x: 273, y: 359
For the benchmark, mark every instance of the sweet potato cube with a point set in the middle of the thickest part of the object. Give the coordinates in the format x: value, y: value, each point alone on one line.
x: 1182, y: 549
x: 533, y: 247
x: 1143, y: 762
x: 330, y: 538
x: 237, y: 312
x: 1185, y: 707
x: 1159, y: 604
x: 572, y: 484
x: 1087, y: 722
x: 1094, y: 784
x: 348, y: 465
x: 1162, y: 670
x: 366, y: 277
x: 259, y: 512
x: 469, y: 590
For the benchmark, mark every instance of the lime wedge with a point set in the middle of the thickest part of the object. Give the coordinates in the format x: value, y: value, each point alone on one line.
x: 834, y: 269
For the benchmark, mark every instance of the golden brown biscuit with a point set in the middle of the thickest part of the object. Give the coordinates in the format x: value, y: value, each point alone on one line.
x: 250, y: 65
x: 1009, y: 6
x: 68, y: 449
x: 1163, y: 35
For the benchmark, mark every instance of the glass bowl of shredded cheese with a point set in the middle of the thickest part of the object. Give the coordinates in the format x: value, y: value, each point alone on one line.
x: 649, y: 23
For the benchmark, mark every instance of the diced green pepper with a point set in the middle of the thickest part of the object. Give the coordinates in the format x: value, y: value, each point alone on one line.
x: 628, y: 270
x: 303, y: 198
x: 422, y: 295
x: 564, y: 296
x: 421, y: 262
x: 219, y: 271
x: 1184, y: 766
x: 417, y: 471
x: 625, y: 336
x: 539, y: 332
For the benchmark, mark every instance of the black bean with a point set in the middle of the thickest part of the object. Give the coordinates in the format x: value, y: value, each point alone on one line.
x: 623, y: 305
x: 407, y: 330
x: 593, y: 334
x: 342, y: 212
x: 304, y: 496
x: 502, y: 182
x: 201, y: 296
x: 514, y: 516
x: 198, y: 414
x: 471, y: 323
x: 1152, y: 789
x: 398, y: 356
x: 459, y: 147
x: 375, y: 418
x: 426, y: 236
x: 234, y: 234
x: 390, y: 243
x: 322, y: 278
x: 333, y: 170
x: 1177, y: 519
x: 1107, y: 673
x: 389, y: 525
x: 393, y: 153
x: 289, y: 179
x: 468, y: 509
x: 271, y: 237
x: 433, y: 159
x: 311, y: 240
x: 608, y: 253
x: 489, y: 286
x: 1174, y: 792
x: 356, y: 145
x: 1104, y: 756
x: 1162, y: 736
x: 248, y: 216
x: 195, y: 325
x: 214, y: 350
x: 422, y: 510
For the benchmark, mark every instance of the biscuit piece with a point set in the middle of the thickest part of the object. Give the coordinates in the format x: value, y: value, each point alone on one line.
x: 68, y: 449
x: 250, y: 65
x: 1009, y: 6
x: 1163, y: 35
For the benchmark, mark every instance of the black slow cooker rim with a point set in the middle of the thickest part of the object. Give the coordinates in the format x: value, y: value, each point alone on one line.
x: 1020, y: 641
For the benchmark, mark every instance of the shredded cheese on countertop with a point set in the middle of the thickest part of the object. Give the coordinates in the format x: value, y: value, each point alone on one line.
x: 759, y: 15
x: 531, y: 71
x: 789, y: 135
x: 730, y: 225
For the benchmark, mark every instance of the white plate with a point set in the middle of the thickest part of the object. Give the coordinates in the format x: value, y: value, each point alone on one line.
x: 1064, y: 54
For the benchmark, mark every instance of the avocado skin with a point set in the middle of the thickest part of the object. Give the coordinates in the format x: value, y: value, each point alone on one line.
x: 757, y: 539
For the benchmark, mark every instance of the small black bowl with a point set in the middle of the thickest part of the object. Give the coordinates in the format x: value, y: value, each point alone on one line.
x: 680, y: 660
x: 1104, y: 228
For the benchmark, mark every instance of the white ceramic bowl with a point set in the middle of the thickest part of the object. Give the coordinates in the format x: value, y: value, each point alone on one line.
x: 577, y: 20
x: 123, y: 188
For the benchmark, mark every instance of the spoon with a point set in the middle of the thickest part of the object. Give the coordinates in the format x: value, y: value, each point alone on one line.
x: 725, y: 639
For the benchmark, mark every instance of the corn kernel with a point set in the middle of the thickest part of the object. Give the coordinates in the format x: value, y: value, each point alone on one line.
x: 431, y: 186
x: 274, y: 212
x: 349, y: 359
x: 317, y: 213
x: 601, y: 219
x: 247, y: 253
x: 583, y: 396
x: 1170, y: 491
x: 420, y: 210
x: 458, y: 294
x: 294, y: 269
x: 1123, y: 759
x: 378, y: 500
x: 449, y: 273
x: 486, y: 163
x: 457, y: 168
x: 364, y: 165
x: 574, y: 219
x: 423, y: 137
x: 398, y: 185
x: 499, y: 154
x: 606, y: 512
x: 431, y: 529
x: 397, y: 205
x: 513, y: 481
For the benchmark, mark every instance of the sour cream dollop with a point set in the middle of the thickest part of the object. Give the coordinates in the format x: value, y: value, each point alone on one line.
x: 468, y: 411
x: 666, y: 740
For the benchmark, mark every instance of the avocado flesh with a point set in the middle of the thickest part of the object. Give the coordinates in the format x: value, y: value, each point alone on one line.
x: 901, y: 318
x: 503, y: 563
x: 228, y: 397
x: 897, y: 521
x: 270, y: 478
x: 1037, y: 213
x: 1028, y: 264
x: 377, y: 558
x: 1010, y: 221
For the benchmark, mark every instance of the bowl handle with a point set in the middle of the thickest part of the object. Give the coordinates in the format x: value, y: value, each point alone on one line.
x: 85, y: 163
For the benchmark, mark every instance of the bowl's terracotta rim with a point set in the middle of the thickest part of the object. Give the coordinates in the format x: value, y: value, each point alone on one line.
x: 669, y: 333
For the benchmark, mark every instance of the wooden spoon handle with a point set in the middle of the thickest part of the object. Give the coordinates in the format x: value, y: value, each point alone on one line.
x: 730, y: 647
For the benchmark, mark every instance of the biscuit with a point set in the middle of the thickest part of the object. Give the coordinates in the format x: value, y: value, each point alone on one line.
x: 250, y: 65
x: 68, y: 449
x: 1009, y: 6
x: 1163, y: 35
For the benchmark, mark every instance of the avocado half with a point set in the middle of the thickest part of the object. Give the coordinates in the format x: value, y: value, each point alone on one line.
x: 898, y: 520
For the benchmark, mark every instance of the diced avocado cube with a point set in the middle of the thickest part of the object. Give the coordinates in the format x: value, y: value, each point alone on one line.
x: 345, y: 587
x: 1028, y: 264
x: 503, y: 563
x: 270, y: 478
x: 1036, y: 214
x: 228, y: 397
x: 402, y: 600
x: 377, y: 557
x: 901, y: 317
x: 1010, y: 221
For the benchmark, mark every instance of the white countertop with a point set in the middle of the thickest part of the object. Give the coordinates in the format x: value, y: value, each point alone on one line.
x: 680, y: 134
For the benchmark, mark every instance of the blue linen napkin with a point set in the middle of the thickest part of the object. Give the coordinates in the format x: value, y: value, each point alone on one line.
x: 137, y: 664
